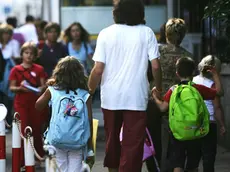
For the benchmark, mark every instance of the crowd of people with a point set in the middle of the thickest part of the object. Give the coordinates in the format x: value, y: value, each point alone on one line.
x: 142, y: 80
x: 28, y: 56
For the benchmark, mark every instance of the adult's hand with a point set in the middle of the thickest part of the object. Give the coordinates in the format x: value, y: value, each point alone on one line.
x: 95, y: 76
x: 156, y: 93
x: 157, y: 73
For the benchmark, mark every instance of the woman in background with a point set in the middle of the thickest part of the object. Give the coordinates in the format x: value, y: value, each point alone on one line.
x: 77, y: 40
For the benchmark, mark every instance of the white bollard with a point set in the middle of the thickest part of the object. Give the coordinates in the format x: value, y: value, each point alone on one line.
x: 2, y: 146
x: 16, y: 144
x: 28, y: 151
x: 3, y: 113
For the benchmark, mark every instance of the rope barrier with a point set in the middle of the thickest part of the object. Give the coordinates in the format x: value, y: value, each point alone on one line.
x: 48, y: 148
x: 17, y: 121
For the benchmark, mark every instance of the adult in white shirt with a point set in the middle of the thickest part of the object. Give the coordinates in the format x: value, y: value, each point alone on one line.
x: 29, y: 30
x: 121, y: 61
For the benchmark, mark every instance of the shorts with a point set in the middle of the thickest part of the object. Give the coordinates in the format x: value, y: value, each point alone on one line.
x: 180, y: 151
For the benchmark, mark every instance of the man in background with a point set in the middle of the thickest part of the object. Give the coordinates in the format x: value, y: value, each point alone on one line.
x: 28, y: 30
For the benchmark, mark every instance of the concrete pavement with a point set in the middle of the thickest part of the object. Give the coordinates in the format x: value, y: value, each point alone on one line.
x: 222, y: 161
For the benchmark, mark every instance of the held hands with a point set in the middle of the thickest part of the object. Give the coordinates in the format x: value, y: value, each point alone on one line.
x: 156, y: 94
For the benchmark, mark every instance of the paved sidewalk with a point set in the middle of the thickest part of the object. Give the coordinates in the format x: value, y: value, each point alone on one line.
x: 222, y: 160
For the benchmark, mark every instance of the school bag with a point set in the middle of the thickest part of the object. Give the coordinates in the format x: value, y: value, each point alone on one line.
x: 188, y: 114
x: 69, y: 125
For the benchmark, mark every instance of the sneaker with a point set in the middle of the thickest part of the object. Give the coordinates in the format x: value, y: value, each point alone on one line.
x: 23, y: 169
x: 39, y: 164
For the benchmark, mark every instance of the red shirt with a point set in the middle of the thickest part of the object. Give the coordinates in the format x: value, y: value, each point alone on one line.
x: 206, y: 93
x: 31, y: 75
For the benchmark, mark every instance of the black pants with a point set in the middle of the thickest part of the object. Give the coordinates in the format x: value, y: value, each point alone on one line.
x: 9, y: 105
x: 154, y: 127
x: 209, y: 149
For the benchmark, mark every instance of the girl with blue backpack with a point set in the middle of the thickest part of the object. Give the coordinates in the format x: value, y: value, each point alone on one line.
x: 71, y: 121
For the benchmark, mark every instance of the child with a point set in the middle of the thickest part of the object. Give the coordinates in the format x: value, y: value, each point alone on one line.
x: 24, y: 102
x: 177, y: 149
x: 51, y: 51
x: 68, y: 79
x: 209, y: 142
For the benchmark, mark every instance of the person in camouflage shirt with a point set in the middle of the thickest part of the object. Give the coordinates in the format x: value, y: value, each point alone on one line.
x: 175, y: 31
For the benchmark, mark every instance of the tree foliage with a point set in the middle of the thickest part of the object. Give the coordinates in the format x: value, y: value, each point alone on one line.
x: 218, y: 10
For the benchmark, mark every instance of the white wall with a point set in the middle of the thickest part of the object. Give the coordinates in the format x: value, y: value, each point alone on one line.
x: 21, y: 8
x: 95, y: 18
x: 3, y: 5
x: 51, y: 10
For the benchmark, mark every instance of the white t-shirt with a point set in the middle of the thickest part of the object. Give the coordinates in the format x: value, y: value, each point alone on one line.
x: 125, y: 51
x: 208, y: 83
x: 12, y: 49
x: 29, y: 32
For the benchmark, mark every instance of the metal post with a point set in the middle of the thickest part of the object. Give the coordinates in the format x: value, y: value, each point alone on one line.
x: 170, y: 8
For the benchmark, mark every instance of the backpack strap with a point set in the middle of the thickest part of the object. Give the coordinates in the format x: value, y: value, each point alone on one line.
x: 83, y: 93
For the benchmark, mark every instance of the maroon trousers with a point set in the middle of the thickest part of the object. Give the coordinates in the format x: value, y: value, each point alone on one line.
x: 128, y: 156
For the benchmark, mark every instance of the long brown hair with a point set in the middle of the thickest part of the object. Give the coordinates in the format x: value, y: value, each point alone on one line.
x: 68, y: 75
x: 84, y: 34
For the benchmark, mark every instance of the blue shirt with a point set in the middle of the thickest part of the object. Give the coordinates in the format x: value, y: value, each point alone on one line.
x: 82, y: 53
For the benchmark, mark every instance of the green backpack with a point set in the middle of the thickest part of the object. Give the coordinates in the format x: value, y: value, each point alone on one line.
x: 188, y: 114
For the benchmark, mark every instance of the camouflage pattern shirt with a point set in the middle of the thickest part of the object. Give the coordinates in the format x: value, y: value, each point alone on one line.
x: 169, y: 55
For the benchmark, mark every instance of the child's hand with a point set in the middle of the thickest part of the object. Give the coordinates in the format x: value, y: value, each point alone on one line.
x: 211, y: 69
x: 22, y: 88
x: 156, y: 94
x: 22, y: 83
x: 222, y: 130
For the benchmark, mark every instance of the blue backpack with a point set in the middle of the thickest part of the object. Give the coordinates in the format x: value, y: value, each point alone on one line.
x: 69, y: 125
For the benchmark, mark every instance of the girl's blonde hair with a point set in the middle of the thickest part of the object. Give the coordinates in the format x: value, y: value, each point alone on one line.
x: 68, y: 75
x: 175, y: 30
x: 209, y: 60
x: 29, y: 45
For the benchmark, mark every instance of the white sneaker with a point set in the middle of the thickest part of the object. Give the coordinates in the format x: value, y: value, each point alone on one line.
x: 23, y: 169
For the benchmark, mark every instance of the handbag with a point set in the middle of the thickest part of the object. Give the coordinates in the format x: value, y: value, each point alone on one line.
x: 148, y: 148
